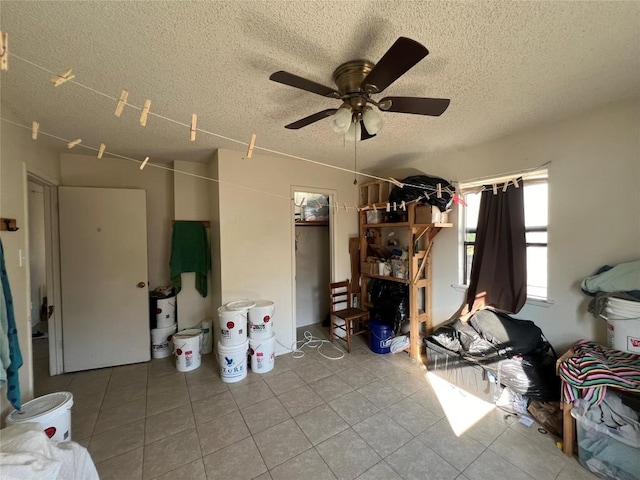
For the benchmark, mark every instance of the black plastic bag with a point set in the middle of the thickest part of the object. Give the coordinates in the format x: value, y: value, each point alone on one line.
x: 390, y: 302
x: 429, y: 184
x: 532, y: 375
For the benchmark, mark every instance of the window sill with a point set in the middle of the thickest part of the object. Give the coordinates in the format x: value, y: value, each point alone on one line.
x: 532, y: 301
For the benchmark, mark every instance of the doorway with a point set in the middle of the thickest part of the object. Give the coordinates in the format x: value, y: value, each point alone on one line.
x: 313, y: 254
x: 44, y: 285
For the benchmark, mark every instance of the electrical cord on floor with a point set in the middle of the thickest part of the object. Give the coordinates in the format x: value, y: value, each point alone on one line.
x: 311, y: 342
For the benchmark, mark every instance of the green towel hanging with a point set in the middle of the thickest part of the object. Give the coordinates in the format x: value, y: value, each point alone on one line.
x: 189, y: 253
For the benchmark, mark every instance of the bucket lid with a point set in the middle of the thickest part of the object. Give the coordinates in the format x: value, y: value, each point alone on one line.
x: 190, y: 333
x: 233, y: 348
x: 263, y: 303
x: 40, y: 406
x: 240, y: 305
x: 621, y: 302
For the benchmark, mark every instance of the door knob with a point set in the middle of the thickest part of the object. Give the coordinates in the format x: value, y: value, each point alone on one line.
x: 141, y: 284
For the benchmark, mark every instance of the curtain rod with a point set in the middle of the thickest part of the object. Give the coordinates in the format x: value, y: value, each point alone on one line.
x: 501, y: 177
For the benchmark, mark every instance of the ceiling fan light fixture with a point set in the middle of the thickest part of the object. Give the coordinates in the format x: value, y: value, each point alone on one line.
x: 372, y: 120
x: 341, y: 120
x: 354, y: 133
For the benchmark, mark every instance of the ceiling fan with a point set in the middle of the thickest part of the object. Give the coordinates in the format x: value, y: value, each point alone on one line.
x: 357, y: 80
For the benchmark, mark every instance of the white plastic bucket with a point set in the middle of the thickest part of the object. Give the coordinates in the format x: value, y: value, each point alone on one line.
x: 263, y: 354
x: 261, y: 320
x: 165, y: 312
x: 233, y: 326
x: 233, y: 361
x: 186, y: 347
x: 161, y: 341
x: 52, y: 412
x: 207, y: 340
x: 623, y: 333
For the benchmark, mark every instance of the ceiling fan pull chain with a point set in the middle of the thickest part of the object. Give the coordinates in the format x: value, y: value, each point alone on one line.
x: 355, y: 161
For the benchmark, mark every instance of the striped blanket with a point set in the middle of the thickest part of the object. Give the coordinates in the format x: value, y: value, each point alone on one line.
x: 592, y: 368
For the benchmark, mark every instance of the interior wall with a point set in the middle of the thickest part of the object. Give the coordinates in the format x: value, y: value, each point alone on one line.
x: 214, y: 234
x: 18, y: 153
x: 594, y: 194
x: 89, y: 171
x: 312, y: 274
x: 191, y: 202
x: 37, y: 263
x: 256, y: 229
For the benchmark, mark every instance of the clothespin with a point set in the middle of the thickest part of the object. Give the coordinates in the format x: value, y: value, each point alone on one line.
x: 403, y: 206
x: 388, y: 207
x: 375, y: 209
x: 101, y: 150
x: 73, y: 143
x: 515, y: 183
x: 439, y: 190
x: 121, y: 103
x: 395, y: 207
x: 145, y: 112
x: 396, y: 182
x: 495, y: 189
x: 449, y: 191
x: 506, y: 184
x: 35, y: 126
x: 4, y: 51
x: 64, y: 77
x: 459, y: 200
x: 194, y: 122
x: 144, y: 163
x: 426, y: 195
x: 251, y: 144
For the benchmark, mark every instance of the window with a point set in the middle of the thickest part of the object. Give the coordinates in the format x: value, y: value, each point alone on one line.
x: 535, y: 218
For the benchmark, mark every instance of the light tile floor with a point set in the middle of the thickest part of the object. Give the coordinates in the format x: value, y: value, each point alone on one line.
x: 365, y: 416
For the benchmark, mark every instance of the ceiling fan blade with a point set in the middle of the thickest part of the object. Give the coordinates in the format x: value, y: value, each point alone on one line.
x: 292, y: 80
x: 417, y: 105
x: 402, y: 55
x: 364, y: 134
x: 303, y: 122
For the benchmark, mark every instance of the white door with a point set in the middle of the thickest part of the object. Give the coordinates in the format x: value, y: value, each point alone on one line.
x: 103, y: 266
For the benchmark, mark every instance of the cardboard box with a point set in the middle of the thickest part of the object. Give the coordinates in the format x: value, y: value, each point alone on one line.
x: 369, y: 268
x: 431, y: 214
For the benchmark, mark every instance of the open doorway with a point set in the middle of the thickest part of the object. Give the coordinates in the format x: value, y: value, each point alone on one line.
x: 44, y: 287
x: 38, y: 279
x: 313, y: 247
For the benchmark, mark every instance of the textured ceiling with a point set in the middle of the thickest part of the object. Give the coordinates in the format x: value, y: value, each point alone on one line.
x: 505, y: 66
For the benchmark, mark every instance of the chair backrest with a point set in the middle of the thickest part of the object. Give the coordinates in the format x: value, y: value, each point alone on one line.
x: 339, y: 296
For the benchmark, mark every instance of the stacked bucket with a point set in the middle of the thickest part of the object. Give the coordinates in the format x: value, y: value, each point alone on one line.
x: 236, y: 319
x: 233, y: 343
x: 623, y: 324
x: 262, y: 341
x: 165, y: 327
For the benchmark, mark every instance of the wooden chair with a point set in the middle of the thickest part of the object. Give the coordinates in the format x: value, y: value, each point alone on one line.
x: 353, y: 321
